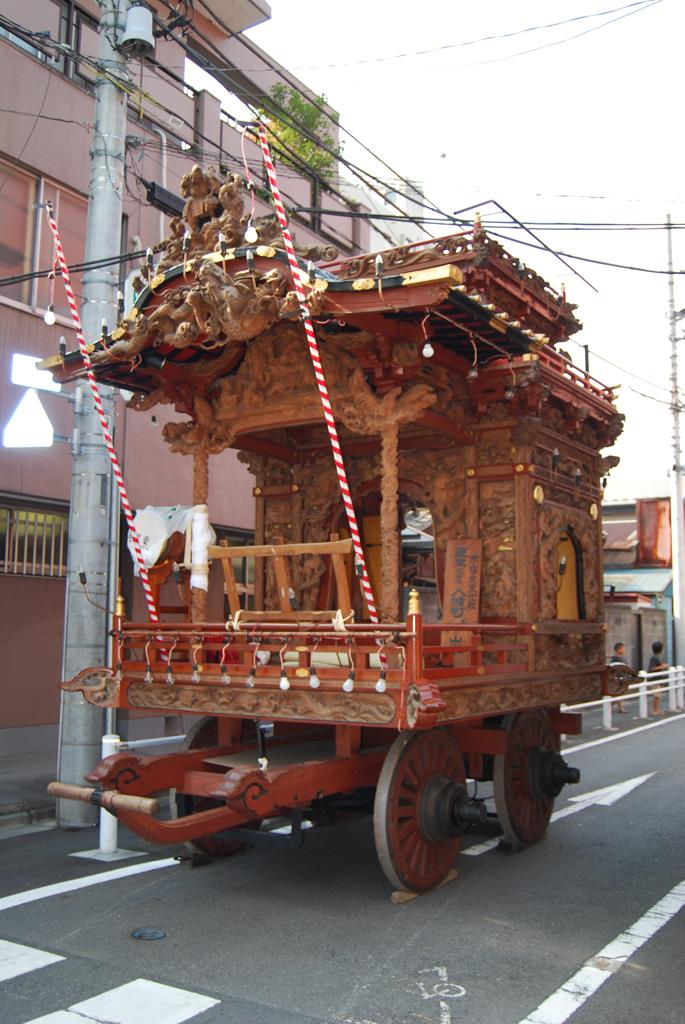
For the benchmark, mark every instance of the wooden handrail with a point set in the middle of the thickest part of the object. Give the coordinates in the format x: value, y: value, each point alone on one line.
x: 329, y: 547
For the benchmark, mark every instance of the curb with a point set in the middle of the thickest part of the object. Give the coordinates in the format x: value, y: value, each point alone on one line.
x: 19, y: 814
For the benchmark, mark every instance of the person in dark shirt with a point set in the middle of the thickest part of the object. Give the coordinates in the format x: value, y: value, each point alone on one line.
x: 619, y: 657
x: 657, y: 664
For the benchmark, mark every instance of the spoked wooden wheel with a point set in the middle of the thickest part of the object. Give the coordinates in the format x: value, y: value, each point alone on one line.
x: 204, y: 733
x: 524, y: 797
x: 421, y: 786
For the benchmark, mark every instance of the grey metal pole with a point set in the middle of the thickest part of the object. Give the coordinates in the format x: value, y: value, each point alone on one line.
x: 92, y: 493
x: 677, y: 519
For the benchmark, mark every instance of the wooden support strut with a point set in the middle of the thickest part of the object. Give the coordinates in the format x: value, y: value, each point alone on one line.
x: 390, y: 532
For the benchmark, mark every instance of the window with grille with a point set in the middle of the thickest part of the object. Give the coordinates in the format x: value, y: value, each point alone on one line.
x: 27, y: 244
x: 33, y: 542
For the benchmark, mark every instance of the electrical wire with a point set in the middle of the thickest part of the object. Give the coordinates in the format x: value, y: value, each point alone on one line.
x: 558, y: 42
x: 293, y: 122
x: 675, y: 408
x: 586, y: 259
x: 135, y: 92
x: 75, y: 268
x: 469, y: 42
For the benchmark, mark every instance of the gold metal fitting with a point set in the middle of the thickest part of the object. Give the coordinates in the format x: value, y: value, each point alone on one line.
x: 120, y: 606
x: 414, y: 602
x: 534, y: 628
x: 538, y: 494
x: 256, y: 491
x: 519, y: 468
x: 470, y: 472
x: 594, y: 511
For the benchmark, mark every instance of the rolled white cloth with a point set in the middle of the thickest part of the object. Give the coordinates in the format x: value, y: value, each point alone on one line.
x: 202, y: 536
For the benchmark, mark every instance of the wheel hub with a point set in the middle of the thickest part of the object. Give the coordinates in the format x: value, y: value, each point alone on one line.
x: 445, y: 810
x: 548, y: 773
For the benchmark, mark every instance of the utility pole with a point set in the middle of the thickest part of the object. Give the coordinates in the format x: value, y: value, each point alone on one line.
x: 677, y: 518
x: 93, y: 490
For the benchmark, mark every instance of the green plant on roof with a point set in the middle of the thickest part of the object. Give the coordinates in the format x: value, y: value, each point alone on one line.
x: 299, y: 129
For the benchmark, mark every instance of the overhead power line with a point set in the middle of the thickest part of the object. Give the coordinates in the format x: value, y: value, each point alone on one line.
x: 472, y: 42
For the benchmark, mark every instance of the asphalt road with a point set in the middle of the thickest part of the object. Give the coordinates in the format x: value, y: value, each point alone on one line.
x: 285, y: 936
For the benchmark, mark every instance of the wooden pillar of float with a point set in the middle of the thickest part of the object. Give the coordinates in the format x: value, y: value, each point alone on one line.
x: 390, y: 531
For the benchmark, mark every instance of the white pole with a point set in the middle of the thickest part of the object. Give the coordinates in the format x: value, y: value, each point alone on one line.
x: 677, y: 519
x: 606, y: 712
x: 643, y: 707
x: 672, y: 677
x: 680, y: 687
x: 109, y: 825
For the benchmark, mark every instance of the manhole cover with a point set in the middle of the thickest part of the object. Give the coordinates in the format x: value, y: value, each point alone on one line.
x: 148, y: 933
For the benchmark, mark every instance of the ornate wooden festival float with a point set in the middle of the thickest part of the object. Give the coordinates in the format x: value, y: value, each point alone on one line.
x: 472, y: 450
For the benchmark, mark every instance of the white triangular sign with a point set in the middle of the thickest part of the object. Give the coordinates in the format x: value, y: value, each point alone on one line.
x: 29, y: 425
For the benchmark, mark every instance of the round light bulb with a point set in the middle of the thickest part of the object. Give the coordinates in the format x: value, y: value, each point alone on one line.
x: 49, y: 316
x: 428, y: 350
x: 251, y: 236
x: 314, y: 680
x: 381, y: 685
x: 284, y: 682
x: 348, y: 685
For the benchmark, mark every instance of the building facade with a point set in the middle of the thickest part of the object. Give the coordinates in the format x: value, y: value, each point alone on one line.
x: 48, y: 66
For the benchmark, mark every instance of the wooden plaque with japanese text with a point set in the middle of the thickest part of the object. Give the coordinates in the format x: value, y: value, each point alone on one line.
x: 461, y: 594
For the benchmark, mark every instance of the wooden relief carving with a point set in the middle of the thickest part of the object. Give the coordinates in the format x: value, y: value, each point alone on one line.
x: 556, y: 653
x: 366, y: 709
x: 495, y: 448
x: 100, y: 686
x: 497, y: 531
x: 479, y: 701
x: 443, y: 475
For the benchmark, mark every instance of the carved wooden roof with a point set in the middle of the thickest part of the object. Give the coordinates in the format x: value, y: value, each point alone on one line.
x: 216, y: 330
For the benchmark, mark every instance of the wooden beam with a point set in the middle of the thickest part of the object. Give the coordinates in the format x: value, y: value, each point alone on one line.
x: 443, y: 425
x: 260, y: 445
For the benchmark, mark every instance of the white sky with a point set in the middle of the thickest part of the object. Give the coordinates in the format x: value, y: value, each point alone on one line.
x: 587, y: 130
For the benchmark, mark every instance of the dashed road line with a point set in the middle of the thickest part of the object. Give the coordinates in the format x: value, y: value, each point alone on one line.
x: 17, y: 899
x: 595, y: 971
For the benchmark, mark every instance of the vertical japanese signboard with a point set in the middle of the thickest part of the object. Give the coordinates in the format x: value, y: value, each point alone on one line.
x: 461, y: 595
x: 462, y: 581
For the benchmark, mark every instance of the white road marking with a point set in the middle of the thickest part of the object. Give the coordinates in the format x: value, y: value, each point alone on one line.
x: 137, y: 1002
x: 622, y: 735
x: 594, y: 972
x: 441, y: 989
x: 601, y: 797
x: 16, y: 959
x: 19, y: 898
x: 604, y: 797
x: 478, y: 848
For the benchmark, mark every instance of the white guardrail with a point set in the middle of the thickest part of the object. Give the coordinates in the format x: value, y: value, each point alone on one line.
x: 669, y: 681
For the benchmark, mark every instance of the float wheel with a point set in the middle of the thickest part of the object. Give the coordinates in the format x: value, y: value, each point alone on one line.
x: 522, y: 799
x: 421, y: 783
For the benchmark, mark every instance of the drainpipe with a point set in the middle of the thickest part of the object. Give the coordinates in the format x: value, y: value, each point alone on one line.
x: 165, y: 144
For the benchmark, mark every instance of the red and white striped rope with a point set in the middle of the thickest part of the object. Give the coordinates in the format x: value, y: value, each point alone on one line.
x: 109, y: 443
x: 320, y: 380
